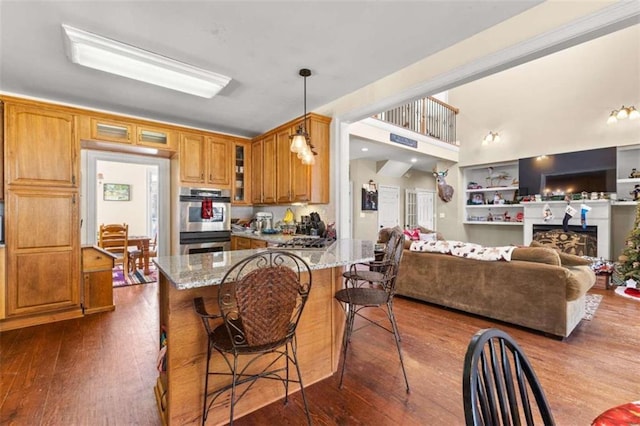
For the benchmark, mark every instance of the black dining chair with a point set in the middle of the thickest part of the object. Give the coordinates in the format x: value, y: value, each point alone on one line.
x: 260, y: 301
x: 499, y: 386
x: 373, y: 288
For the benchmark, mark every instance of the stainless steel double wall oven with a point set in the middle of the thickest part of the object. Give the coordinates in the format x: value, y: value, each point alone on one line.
x: 205, y: 220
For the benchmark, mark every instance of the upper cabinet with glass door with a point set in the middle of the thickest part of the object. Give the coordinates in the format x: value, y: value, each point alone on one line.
x: 241, y: 172
x: 128, y: 131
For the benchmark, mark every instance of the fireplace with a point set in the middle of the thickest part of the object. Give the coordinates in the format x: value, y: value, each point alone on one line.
x: 598, y: 231
x: 575, y: 240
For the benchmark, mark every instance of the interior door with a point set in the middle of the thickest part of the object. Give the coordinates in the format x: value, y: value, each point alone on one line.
x: 388, y: 206
x: 425, y: 209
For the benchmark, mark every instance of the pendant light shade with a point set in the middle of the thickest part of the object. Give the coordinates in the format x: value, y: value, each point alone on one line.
x: 298, y: 141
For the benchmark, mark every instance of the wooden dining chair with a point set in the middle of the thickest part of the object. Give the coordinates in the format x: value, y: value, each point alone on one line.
x: 114, y: 238
x: 499, y: 385
x: 136, y: 258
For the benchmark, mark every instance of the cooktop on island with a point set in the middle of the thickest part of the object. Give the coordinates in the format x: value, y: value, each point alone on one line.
x: 306, y: 243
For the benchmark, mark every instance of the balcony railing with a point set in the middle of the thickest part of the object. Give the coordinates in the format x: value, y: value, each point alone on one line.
x: 428, y: 116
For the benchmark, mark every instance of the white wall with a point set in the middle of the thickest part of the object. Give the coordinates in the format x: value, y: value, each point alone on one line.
x: 365, y: 223
x: 559, y: 103
x: 133, y: 212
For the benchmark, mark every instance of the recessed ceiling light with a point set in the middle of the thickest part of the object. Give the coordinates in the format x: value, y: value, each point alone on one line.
x: 365, y: 149
x: 413, y: 160
x: 101, y: 53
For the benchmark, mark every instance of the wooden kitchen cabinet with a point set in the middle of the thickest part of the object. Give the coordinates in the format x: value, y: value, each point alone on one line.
x: 264, y: 170
x: 258, y: 243
x: 192, y: 158
x: 240, y: 243
x: 128, y: 131
x: 218, y: 162
x: 246, y: 243
x: 241, y: 173
x: 205, y: 160
x: 284, y: 172
x: 3, y: 284
x: 104, y: 129
x: 41, y: 146
x: 284, y: 161
x: 97, y: 280
x: 43, y: 271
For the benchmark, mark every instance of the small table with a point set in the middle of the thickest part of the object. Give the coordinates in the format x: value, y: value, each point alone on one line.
x: 142, y: 242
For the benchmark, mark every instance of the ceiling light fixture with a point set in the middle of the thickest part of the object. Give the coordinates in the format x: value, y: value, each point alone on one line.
x: 365, y: 149
x: 624, y: 112
x: 300, y: 142
x: 97, y: 52
x: 491, y: 137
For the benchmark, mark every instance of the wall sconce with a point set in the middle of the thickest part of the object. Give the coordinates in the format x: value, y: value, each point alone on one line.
x: 491, y: 137
x: 624, y: 112
x: 300, y: 142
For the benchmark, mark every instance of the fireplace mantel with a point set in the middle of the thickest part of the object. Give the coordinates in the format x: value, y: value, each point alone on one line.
x: 599, y: 216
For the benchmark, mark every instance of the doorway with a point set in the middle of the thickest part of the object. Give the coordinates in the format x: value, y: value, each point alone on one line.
x: 143, y: 203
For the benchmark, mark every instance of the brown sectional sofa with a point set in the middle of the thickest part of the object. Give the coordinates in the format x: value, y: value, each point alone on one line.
x: 533, y: 290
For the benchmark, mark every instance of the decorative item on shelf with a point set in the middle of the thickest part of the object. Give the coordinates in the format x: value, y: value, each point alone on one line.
x: 300, y: 142
x: 634, y: 174
x: 624, y: 112
x: 636, y: 193
x: 473, y: 185
x: 494, y: 176
x: 445, y: 191
x: 477, y: 198
x: 491, y: 138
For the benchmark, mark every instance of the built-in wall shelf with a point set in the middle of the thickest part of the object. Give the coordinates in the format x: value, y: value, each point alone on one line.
x: 486, y: 222
x: 491, y: 186
x: 629, y: 180
x: 624, y: 203
x: 495, y: 188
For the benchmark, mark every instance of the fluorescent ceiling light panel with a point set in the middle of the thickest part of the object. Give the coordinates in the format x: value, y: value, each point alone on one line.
x: 94, y: 51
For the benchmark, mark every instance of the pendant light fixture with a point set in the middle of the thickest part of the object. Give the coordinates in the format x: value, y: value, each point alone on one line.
x: 300, y: 142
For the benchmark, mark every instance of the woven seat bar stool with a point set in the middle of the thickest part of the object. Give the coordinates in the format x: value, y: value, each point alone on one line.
x: 260, y: 301
x: 366, y: 289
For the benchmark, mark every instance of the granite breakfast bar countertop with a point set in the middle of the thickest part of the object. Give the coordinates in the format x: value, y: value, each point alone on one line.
x: 319, y: 333
x: 200, y: 270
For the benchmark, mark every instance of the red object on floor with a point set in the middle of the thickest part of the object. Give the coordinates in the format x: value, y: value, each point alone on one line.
x: 625, y: 414
x: 632, y: 292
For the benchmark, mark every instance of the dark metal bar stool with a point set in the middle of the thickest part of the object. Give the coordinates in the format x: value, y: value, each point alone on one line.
x: 260, y: 301
x: 373, y: 288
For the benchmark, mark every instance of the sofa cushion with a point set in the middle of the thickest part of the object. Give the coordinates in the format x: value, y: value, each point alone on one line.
x: 566, y: 259
x: 580, y: 280
x: 536, y: 254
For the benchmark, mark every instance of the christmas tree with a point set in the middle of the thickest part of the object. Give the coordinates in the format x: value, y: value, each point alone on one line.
x: 629, y: 260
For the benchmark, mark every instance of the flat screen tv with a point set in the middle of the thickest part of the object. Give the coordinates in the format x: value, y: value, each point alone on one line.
x: 570, y: 173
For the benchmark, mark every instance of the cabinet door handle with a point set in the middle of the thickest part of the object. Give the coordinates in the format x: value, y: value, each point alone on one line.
x: 202, y: 175
x: 210, y: 177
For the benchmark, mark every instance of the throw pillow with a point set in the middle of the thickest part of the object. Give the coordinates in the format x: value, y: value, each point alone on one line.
x: 566, y: 259
x: 430, y: 236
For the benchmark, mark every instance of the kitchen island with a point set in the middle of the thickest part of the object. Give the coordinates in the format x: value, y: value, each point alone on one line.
x: 319, y: 334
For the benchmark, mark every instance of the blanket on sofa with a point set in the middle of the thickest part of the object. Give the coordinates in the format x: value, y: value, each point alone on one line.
x: 462, y: 249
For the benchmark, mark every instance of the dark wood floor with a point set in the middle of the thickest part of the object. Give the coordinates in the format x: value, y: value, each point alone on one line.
x: 101, y: 369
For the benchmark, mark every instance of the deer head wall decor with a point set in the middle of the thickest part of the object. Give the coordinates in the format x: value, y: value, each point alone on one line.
x: 445, y: 191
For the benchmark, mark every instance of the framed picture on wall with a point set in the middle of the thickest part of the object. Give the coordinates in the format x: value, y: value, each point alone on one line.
x: 369, y: 200
x: 117, y: 192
